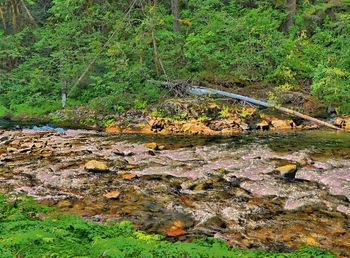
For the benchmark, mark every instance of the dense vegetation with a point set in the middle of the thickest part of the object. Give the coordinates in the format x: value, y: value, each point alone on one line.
x: 28, y: 230
x: 46, y: 45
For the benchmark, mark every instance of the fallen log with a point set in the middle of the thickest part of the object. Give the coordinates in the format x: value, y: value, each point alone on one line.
x: 195, y: 90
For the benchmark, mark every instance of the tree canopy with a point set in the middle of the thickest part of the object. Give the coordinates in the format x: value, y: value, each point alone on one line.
x: 119, y: 46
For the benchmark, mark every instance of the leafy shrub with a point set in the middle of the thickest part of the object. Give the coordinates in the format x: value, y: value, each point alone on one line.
x: 332, y: 84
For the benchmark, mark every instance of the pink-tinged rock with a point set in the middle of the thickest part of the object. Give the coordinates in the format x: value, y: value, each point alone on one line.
x: 260, y: 188
x: 337, y: 180
x: 344, y: 209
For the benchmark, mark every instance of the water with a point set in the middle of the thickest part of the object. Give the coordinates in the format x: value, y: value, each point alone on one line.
x: 7, y: 124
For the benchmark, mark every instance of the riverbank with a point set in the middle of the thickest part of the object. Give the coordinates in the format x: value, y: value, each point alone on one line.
x: 182, y: 116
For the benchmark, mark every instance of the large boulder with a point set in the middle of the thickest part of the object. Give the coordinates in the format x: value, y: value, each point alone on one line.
x: 343, y: 122
x: 287, y: 171
x: 96, y: 166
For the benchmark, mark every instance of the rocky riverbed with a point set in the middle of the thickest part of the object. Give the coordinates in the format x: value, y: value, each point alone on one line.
x: 269, y: 191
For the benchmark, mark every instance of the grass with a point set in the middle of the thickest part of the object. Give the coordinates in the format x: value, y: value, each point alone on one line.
x: 30, y: 230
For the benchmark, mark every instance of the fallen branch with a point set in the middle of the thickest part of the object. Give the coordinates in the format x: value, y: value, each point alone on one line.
x: 195, y: 90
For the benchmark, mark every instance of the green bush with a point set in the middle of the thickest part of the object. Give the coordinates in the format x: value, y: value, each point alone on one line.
x: 218, y: 41
x: 332, y: 85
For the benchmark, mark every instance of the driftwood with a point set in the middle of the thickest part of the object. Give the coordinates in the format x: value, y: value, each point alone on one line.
x: 205, y: 91
x: 184, y: 88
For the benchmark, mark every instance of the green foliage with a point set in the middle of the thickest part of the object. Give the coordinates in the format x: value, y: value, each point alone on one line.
x: 218, y: 41
x: 24, y: 233
x: 3, y: 110
x: 225, y: 112
x: 333, y: 85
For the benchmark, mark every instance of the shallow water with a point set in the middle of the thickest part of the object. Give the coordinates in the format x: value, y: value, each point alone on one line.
x: 225, y: 187
x: 318, y: 142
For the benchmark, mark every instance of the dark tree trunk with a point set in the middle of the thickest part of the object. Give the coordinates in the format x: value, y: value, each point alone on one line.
x: 176, y: 14
x: 291, y: 9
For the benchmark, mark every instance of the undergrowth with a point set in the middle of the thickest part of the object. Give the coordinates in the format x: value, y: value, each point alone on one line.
x: 31, y: 230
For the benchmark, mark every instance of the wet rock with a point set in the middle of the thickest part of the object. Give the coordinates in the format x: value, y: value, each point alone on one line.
x: 16, y: 143
x: 343, y: 122
x: 260, y: 188
x: 96, y: 166
x: 64, y: 204
x: 233, y: 180
x: 244, y: 126
x: 152, y: 145
x: 263, y: 126
x: 129, y: 176
x: 4, y: 139
x: 344, y: 209
x: 112, y: 195
x: 176, y: 229
x: 200, y: 185
x: 11, y: 150
x: 186, y: 200
x: 176, y: 232
x: 282, y: 124
x: 300, y: 201
x: 287, y: 171
x: 214, y: 222
x: 123, y: 154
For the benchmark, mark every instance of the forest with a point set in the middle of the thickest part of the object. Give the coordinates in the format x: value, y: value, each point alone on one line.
x: 106, y: 53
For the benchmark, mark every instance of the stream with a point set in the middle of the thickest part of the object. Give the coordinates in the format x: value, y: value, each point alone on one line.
x: 232, y: 187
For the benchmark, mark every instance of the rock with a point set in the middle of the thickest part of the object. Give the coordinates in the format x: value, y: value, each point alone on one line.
x: 11, y: 150
x: 186, y: 200
x: 287, y: 171
x: 213, y: 222
x: 195, y: 128
x: 220, y: 125
x: 161, y: 147
x: 176, y: 232
x: 343, y: 122
x: 4, y: 139
x: 263, y: 125
x: 282, y: 124
x: 244, y: 126
x: 344, y: 209
x: 129, y: 176
x: 113, y: 129
x: 96, y: 166
x: 176, y: 229
x: 112, y: 195
x: 64, y: 204
x: 152, y: 145
x: 16, y: 142
x: 233, y: 180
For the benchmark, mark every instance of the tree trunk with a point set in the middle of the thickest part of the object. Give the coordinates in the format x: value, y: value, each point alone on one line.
x: 292, y: 9
x: 175, y: 12
x: 64, y: 94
